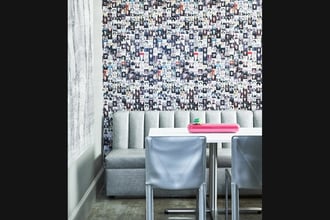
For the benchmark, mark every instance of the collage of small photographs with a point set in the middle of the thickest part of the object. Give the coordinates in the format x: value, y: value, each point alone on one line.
x: 180, y: 55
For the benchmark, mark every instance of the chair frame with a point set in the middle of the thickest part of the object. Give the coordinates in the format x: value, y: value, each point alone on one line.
x: 251, y: 165
x: 180, y: 149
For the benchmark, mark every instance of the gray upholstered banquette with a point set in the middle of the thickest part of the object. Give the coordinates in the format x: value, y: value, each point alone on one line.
x: 124, y: 164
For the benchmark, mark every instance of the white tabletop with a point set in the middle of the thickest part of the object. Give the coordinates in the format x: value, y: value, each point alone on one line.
x: 210, y: 137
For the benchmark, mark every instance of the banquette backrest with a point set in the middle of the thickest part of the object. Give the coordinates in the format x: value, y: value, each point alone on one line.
x: 131, y: 127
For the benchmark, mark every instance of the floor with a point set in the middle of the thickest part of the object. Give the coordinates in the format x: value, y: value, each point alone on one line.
x: 109, y: 208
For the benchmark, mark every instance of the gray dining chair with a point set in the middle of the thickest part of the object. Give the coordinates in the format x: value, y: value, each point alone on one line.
x: 245, y: 172
x: 175, y: 163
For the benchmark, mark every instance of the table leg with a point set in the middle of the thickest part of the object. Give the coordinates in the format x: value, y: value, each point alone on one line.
x: 213, y: 164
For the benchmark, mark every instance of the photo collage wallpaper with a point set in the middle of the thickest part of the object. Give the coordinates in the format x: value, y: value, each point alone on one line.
x: 181, y: 55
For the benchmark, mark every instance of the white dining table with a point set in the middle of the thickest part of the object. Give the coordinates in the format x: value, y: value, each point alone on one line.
x: 213, y: 140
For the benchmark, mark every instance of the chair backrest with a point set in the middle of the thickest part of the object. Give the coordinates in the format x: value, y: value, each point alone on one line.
x: 175, y: 162
x: 246, y: 165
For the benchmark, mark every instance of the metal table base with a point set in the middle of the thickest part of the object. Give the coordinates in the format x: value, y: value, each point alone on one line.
x: 248, y: 210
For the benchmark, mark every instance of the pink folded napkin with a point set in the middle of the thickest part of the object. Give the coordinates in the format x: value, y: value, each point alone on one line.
x: 213, y: 128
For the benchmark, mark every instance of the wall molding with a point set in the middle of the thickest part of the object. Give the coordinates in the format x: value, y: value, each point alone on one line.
x: 78, y: 210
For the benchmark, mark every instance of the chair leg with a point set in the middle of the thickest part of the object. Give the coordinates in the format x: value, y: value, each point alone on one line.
x: 227, y: 181
x: 198, y: 203
x: 149, y: 203
x: 201, y: 211
x: 234, y: 202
